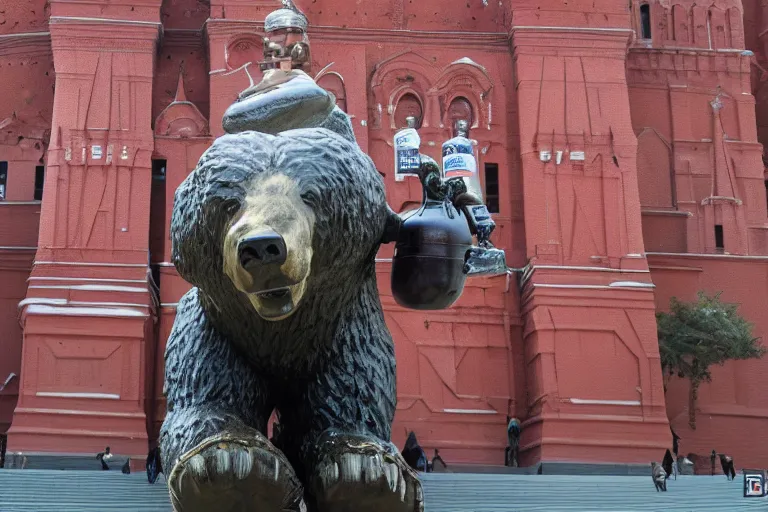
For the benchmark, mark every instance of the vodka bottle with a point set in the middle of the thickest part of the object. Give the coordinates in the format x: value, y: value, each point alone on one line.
x: 407, y: 143
x: 459, y: 159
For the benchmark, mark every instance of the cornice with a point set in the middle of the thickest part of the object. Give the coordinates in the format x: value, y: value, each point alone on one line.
x: 29, y: 44
x: 745, y: 145
x: 494, y: 41
x: 71, y: 33
x: 245, y: 3
x: 657, y: 66
x: 227, y: 27
x: 620, y: 31
x: 489, y: 40
x: 254, y: 5
x: 130, y: 3
x: 734, y: 53
x: 76, y: 20
x: 183, y: 38
x: 146, y: 10
x: 17, y: 258
x: 570, y: 41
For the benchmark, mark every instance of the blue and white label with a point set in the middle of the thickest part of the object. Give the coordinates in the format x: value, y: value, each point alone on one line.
x: 459, y: 164
x: 458, y: 158
x: 407, y: 160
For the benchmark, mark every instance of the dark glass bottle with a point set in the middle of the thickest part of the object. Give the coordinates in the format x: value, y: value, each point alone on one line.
x: 432, y: 245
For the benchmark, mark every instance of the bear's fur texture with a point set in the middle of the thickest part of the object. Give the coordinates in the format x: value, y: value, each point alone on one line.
x: 328, y: 368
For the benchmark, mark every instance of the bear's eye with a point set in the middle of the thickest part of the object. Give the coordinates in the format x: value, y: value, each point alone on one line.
x: 230, y: 206
x: 310, y: 197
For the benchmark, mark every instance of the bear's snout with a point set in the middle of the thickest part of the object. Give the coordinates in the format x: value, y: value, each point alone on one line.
x: 268, y: 247
x: 262, y: 256
x: 262, y: 250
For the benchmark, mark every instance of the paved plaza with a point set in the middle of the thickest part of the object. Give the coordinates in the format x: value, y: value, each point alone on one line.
x: 96, y: 491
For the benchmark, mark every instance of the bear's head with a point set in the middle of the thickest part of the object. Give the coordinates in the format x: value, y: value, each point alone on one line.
x: 279, y: 218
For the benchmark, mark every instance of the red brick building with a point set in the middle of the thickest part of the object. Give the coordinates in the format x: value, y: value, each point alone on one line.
x: 619, y: 145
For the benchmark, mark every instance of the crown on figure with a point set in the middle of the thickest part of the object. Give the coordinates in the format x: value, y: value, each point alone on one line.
x: 288, y: 17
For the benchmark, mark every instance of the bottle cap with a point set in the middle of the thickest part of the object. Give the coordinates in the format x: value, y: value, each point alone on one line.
x: 289, y: 17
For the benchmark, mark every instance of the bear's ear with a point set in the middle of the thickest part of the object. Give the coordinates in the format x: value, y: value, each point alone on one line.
x: 185, y: 227
x: 391, y: 227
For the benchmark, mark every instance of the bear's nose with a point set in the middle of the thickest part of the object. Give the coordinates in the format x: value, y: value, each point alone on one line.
x: 266, y: 248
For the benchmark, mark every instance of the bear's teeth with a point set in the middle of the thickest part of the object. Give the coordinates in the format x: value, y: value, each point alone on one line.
x: 351, y: 467
x: 197, y: 465
x: 401, y: 488
x: 373, y: 469
x: 241, y: 464
x: 330, y: 475
x: 223, y: 464
x: 392, y: 476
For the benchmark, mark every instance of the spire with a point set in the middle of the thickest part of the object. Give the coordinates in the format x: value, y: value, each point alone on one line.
x: 723, y: 178
x: 180, y: 94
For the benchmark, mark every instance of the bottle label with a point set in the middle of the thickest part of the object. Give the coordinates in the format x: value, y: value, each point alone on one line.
x: 458, y: 145
x: 407, y: 138
x: 408, y: 161
x: 459, y: 164
x: 458, y: 158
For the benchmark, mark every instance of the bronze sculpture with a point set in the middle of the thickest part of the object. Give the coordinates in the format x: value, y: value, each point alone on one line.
x: 277, y: 229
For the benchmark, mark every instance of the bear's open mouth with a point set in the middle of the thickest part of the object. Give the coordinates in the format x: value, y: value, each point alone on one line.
x: 274, y: 294
x: 274, y: 304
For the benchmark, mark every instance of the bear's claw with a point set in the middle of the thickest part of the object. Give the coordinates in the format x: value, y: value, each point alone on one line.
x: 235, y: 474
x: 357, y: 473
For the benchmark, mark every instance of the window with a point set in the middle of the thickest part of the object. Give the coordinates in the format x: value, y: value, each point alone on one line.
x: 408, y: 106
x: 158, y: 228
x: 719, y: 241
x: 158, y: 169
x: 460, y: 109
x: 39, y: 182
x: 3, y: 179
x: 492, y: 187
x: 645, y: 21
x: 333, y: 83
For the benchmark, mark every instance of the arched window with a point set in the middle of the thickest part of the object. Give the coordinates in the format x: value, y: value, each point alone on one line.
x: 409, y: 105
x: 460, y: 109
x: 333, y: 83
x: 645, y: 21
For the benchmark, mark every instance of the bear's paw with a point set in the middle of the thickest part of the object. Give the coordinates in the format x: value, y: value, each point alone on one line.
x: 235, y: 473
x: 356, y: 473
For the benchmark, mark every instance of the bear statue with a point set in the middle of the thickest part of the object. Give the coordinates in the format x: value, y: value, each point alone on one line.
x: 278, y: 235
x: 277, y: 229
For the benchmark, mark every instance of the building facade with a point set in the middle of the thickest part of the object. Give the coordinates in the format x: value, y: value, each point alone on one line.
x: 620, y: 150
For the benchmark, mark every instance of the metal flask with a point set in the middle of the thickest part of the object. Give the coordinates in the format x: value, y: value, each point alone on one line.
x: 285, y: 101
x: 428, y: 266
